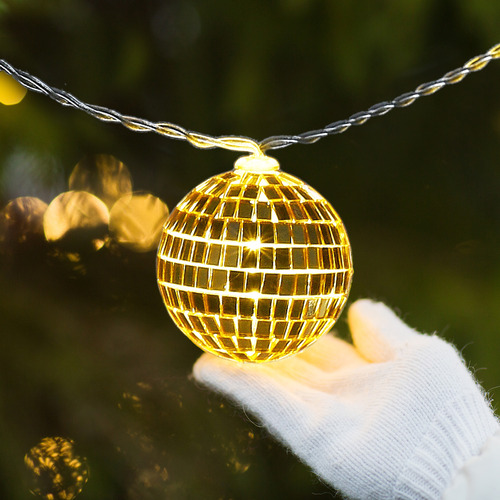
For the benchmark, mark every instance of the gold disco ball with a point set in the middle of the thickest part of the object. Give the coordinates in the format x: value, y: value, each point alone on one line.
x: 254, y: 264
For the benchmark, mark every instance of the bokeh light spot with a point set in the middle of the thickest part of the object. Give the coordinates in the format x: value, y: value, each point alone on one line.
x: 27, y: 172
x: 102, y: 175
x: 11, y: 92
x: 57, y: 472
x: 136, y: 221
x: 22, y: 220
x: 76, y: 216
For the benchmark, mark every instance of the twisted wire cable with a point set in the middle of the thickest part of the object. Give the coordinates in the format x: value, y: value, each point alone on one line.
x: 237, y: 143
x: 457, y: 75
x: 170, y: 130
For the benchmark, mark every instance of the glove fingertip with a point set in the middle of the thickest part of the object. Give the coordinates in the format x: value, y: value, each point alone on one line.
x: 206, y: 367
x: 366, y: 307
x: 199, y: 366
x: 376, y: 330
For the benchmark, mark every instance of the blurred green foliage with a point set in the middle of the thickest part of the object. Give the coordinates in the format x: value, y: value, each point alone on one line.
x: 89, y: 353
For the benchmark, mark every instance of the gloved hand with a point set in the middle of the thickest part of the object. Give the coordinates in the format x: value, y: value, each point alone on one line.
x: 394, y: 416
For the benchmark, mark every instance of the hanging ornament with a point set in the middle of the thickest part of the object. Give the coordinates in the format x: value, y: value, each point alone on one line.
x: 254, y: 264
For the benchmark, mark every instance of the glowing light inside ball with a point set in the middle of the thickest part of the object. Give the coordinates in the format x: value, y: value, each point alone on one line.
x: 254, y: 264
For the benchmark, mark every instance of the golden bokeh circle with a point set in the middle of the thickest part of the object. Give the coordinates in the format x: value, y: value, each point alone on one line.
x: 11, y: 91
x: 254, y: 264
x: 57, y: 472
x: 21, y: 220
x: 102, y: 175
x: 75, y: 212
x: 136, y: 221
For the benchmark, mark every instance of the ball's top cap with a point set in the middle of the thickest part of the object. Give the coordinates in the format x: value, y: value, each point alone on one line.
x: 257, y: 163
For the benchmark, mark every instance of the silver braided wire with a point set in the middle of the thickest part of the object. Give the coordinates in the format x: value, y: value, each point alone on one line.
x: 457, y: 75
x: 249, y: 145
x: 170, y: 130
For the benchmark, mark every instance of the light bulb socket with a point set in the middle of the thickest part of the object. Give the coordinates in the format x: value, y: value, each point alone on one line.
x: 257, y: 163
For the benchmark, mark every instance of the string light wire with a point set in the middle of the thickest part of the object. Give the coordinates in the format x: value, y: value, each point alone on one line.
x: 246, y: 144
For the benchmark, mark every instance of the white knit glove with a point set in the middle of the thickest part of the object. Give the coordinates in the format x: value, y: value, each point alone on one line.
x: 478, y: 478
x: 395, y: 416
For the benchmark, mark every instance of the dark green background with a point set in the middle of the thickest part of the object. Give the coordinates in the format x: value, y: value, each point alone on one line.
x: 89, y: 353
